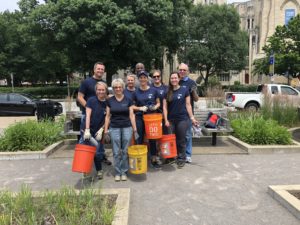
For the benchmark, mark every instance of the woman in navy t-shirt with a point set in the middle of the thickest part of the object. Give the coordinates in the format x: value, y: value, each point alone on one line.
x: 94, y: 121
x: 146, y: 100
x: 120, y: 121
x: 177, y: 110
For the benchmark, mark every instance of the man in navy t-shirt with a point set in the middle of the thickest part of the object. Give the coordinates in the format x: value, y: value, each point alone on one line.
x: 191, y: 85
x: 87, y: 87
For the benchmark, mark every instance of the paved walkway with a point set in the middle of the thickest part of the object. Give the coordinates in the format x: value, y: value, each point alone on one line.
x: 215, y: 189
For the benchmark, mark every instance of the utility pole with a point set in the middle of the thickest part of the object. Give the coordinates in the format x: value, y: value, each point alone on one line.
x: 12, y: 82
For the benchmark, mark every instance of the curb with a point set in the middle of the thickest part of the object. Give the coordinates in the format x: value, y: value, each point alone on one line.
x: 20, y: 155
x: 265, y: 149
x: 289, y: 201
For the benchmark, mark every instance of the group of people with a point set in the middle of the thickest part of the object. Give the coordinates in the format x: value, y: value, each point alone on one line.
x: 119, y: 118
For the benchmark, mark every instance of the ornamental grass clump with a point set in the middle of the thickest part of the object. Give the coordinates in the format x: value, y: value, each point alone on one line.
x: 255, y: 130
x: 31, y: 135
x: 65, y: 206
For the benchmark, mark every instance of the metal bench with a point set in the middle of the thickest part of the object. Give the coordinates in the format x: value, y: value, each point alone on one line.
x: 224, y: 127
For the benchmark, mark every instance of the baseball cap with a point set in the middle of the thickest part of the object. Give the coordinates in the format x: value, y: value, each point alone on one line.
x: 143, y: 72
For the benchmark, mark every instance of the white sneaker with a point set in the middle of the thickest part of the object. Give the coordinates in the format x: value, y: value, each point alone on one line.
x: 100, y: 174
x: 117, y: 178
x: 124, y: 177
x: 188, y: 159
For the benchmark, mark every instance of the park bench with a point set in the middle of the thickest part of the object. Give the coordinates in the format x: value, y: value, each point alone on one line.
x: 224, y: 127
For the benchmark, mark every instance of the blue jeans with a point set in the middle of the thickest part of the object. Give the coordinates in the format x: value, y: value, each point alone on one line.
x: 180, y: 130
x: 120, y: 140
x: 189, y: 139
x: 140, y: 126
x: 99, y: 152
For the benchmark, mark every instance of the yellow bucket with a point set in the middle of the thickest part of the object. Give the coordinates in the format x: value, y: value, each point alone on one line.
x: 137, y: 159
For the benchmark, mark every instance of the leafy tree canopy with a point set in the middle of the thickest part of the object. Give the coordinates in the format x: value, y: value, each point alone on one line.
x: 213, y: 41
x: 285, y: 44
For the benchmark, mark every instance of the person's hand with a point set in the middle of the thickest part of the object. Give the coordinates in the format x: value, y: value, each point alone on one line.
x: 143, y: 108
x: 194, y: 121
x: 167, y: 123
x: 106, y: 138
x: 136, y: 135
x: 99, y: 134
x: 152, y: 108
x: 87, y: 134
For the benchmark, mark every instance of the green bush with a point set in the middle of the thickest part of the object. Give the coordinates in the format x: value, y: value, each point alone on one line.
x: 255, y: 130
x: 240, y: 88
x: 30, y: 135
x: 281, y: 109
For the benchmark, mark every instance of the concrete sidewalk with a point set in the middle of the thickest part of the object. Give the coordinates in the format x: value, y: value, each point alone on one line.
x: 215, y: 189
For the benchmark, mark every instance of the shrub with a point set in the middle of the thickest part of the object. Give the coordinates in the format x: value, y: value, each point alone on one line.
x: 254, y: 129
x: 281, y: 109
x: 30, y: 135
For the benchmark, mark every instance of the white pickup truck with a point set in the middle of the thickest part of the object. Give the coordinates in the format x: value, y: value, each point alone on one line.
x: 253, y: 101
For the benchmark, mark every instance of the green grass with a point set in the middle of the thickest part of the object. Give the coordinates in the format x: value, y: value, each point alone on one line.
x: 31, y: 135
x: 256, y: 130
x: 58, y: 207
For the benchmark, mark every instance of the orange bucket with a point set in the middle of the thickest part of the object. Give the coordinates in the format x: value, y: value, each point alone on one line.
x: 83, y: 158
x: 153, y: 125
x: 168, y: 147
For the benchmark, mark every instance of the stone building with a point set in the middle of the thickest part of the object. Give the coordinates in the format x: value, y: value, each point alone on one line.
x: 260, y: 19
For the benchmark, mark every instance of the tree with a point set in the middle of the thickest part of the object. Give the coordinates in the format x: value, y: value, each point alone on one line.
x: 213, y: 41
x: 285, y: 44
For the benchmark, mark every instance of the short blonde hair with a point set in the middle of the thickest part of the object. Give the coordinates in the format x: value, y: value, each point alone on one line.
x: 103, y: 84
x: 117, y: 81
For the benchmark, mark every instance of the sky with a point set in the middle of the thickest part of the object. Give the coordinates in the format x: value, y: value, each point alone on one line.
x: 11, y: 5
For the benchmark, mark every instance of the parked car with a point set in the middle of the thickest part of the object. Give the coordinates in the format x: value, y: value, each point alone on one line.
x: 14, y: 104
x: 253, y: 101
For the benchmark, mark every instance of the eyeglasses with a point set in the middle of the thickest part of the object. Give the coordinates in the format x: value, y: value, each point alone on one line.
x: 117, y: 87
x: 154, y: 77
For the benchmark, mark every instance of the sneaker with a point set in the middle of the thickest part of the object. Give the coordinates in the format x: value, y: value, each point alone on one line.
x: 155, y: 165
x: 180, y: 164
x: 170, y: 161
x: 106, y: 161
x: 188, y: 159
x: 117, y: 178
x: 100, y: 174
x: 123, y: 177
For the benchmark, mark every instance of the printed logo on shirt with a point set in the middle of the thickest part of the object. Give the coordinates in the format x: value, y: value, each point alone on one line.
x: 123, y: 104
x: 179, y: 96
x: 150, y: 96
x: 161, y: 92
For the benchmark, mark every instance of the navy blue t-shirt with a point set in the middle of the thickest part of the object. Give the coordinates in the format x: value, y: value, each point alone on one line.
x: 188, y: 83
x: 177, y: 107
x: 98, y: 114
x: 87, y: 87
x: 128, y: 93
x: 161, y: 90
x: 119, y: 111
x: 144, y: 98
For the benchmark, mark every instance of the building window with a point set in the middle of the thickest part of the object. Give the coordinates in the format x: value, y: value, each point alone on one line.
x: 223, y: 77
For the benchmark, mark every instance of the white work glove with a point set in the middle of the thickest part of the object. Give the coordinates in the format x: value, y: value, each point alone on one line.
x: 152, y: 107
x: 99, y: 133
x: 143, y: 108
x: 136, y: 135
x: 87, y: 134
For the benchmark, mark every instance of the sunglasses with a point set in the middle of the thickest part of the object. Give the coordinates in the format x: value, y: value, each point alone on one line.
x: 156, y: 77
